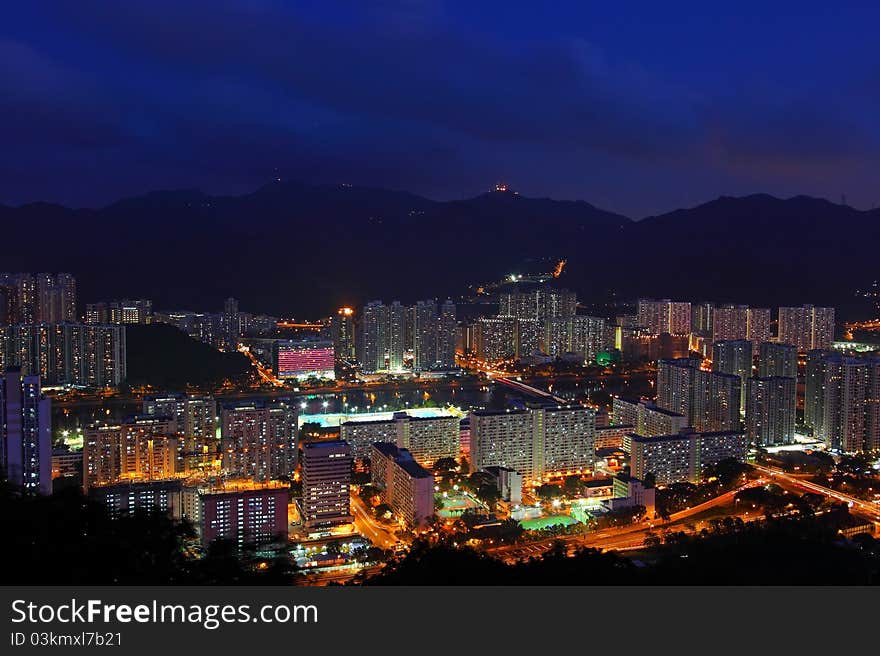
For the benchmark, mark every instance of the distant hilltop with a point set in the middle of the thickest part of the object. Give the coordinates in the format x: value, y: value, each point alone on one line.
x: 290, y: 247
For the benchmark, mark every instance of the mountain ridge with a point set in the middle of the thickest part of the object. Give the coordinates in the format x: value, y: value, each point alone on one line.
x: 291, y: 248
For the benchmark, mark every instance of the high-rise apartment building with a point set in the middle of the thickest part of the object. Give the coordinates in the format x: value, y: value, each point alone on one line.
x: 143, y: 447
x: 230, y: 328
x: 777, y: 359
x: 506, y: 439
x: 25, y: 433
x: 535, y: 441
x: 771, y: 410
x: 427, y: 438
x: 568, y: 437
x: 326, y: 482
x: 646, y: 418
x: 734, y: 357
x: 730, y: 322
x: 396, y: 339
x: 665, y: 316
x: 701, y: 318
x: 538, y: 304
x: 814, y: 389
x: 446, y: 335
x: 844, y: 404
x: 685, y: 456
x: 758, y: 325
x: 806, y: 327
x: 495, y: 338
x: 382, y: 340
x: 583, y: 335
x: 259, y: 440
x: 196, y: 418
x: 68, y: 353
x: 709, y: 399
x: 425, y: 322
x: 343, y: 335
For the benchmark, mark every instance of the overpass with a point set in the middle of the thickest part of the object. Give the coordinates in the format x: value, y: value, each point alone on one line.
x: 532, y: 391
x: 868, y: 507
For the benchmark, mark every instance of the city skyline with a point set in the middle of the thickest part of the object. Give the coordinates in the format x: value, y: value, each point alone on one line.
x: 433, y: 293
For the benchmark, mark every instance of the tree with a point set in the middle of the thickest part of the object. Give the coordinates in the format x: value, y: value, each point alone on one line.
x: 650, y: 480
x: 547, y: 492
x: 445, y: 465
x: 488, y: 494
x: 572, y: 485
x: 384, y: 511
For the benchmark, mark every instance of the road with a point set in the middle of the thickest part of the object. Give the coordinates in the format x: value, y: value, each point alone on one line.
x: 866, y: 507
x: 622, y: 538
x: 368, y: 527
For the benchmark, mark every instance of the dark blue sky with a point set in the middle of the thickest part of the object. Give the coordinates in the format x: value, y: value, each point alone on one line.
x: 638, y: 107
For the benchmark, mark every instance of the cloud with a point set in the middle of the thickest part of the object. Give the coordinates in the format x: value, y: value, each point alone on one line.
x: 403, y: 94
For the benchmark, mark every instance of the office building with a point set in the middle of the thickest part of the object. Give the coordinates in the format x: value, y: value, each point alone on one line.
x: 806, y: 327
x: 25, y: 433
x: 406, y: 486
x: 258, y: 440
x: 771, y: 404
x: 683, y: 457
x: 326, y: 482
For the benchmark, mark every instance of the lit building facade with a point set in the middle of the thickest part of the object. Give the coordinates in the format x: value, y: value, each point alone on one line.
x: 258, y: 440
x: 404, y: 485
x: 326, y: 483
x: 771, y: 405
x: 25, y: 433
x: 806, y: 327
x: 683, y: 457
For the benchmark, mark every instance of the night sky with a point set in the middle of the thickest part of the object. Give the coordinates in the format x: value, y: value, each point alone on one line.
x: 637, y: 107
